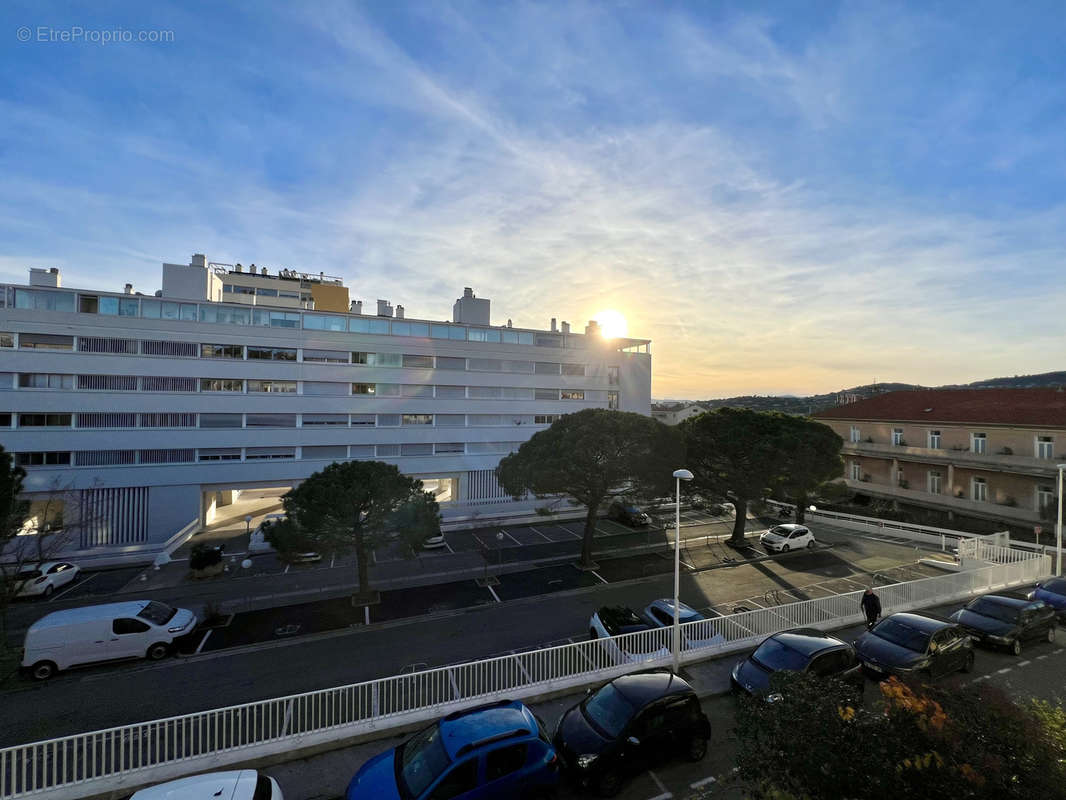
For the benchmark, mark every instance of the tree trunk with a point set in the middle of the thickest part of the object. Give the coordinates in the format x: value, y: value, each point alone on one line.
x: 801, y: 506
x: 586, y: 541
x: 741, y: 505
x: 361, y: 560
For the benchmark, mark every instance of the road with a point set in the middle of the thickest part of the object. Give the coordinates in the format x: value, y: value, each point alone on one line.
x: 104, y: 696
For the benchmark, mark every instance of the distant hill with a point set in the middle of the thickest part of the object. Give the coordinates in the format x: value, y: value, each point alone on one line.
x: 790, y: 404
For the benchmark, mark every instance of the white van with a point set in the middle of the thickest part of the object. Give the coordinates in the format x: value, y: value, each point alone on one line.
x: 134, y: 629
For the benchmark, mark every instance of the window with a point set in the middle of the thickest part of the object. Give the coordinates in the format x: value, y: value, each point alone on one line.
x: 103, y: 344
x: 325, y: 388
x: 156, y: 348
x: 162, y: 420
x: 447, y: 362
x: 545, y: 368
x: 574, y: 369
x: 45, y: 341
x: 328, y: 419
x: 549, y: 340
x: 448, y: 447
x: 388, y: 420
x: 416, y: 449
x: 7, y: 339
x: 897, y: 436
x: 856, y: 471
x: 220, y: 454
x: 504, y: 761
x: 979, y: 489
x: 260, y: 292
x: 484, y: 364
x: 545, y: 394
x: 276, y: 319
x: 330, y: 451
x: 221, y: 351
x: 417, y: 419
x: 1045, y: 496
x: 1045, y: 447
x: 934, y: 481
x: 387, y: 450
x: 270, y: 421
x: 387, y: 390
x: 125, y: 626
x: 225, y: 315
x: 484, y: 392
x: 933, y: 441
x: 979, y: 443
x: 44, y: 420
x: 418, y: 362
x: 321, y: 322
x: 612, y: 376
x: 571, y: 394
x: 364, y: 388
x: 41, y: 380
x: 612, y: 401
x: 5, y: 420
x: 272, y: 353
x: 416, y: 390
x: 461, y: 779
x: 546, y: 419
x: 221, y: 420
x: 269, y: 453
x: 151, y: 384
x: 108, y: 383
x: 363, y: 419
x: 221, y: 385
x: 855, y: 434
x: 41, y: 459
x: 44, y: 301
x: 364, y: 325
x: 387, y: 359
x: 451, y: 391
x: 326, y: 356
x: 284, y: 387
x: 362, y: 358
x: 901, y: 479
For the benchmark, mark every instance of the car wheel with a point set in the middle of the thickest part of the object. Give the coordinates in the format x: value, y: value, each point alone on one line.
x: 1016, y: 647
x: 43, y: 670
x: 157, y: 651
x: 1051, y: 634
x: 967, y: 665
x: 785, y: 548
x: 810, y: 544
x: 48, y: 590
x: 697, y: 748
x: 609, y: 784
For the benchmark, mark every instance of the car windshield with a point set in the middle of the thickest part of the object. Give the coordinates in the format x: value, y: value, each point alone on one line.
x: 608, y: 711
x: 26, y: 574
x: 1057, y: 586
x: 421, y: 760
x: 990, y: 608
x: 157, y: 613
x: 892, y: 630
x: 774, y: 656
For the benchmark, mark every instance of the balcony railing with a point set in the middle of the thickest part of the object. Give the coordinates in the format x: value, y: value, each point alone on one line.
x: 988, y: 461
x: 946, y: 501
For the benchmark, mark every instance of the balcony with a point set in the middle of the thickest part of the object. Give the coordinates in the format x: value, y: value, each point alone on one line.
x: 946, y: 502
x: 993, y: 462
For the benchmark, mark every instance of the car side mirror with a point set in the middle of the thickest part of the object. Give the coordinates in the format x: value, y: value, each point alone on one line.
x: 588, y: 691
x: 633, y: 740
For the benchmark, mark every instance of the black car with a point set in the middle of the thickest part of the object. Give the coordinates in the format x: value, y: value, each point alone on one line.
x: 627, y: 513
x: 797, y: 650
x: 629, y: 725
x: 910, y: 643
x: 1006, y: 621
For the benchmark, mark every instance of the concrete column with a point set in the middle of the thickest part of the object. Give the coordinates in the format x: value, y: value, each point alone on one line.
x: 951, y: 480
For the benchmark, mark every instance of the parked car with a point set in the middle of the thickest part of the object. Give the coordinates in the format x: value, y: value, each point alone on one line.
x: 629, y: 725
x: 495, y: 750
x: 43, y: 579
x: 1002, y: 620
x: 660, y: 614
x: 796, y: 650
x: 910, y: 643
x: 628, y: 514
x: 617, y: 620
x: 107, y: 632
x: 433, y: 542
x: 1052, y: 592
x: 245, y: 784
x: 782, y: 538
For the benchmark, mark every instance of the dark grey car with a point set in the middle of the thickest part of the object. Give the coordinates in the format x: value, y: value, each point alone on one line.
x: 913, y: 644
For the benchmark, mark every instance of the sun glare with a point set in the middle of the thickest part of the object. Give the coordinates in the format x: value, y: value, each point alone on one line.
x: 612, y: 324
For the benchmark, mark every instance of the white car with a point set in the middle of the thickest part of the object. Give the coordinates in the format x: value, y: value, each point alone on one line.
x: 245, y: 784
x: 660, y: 613
x: 782, y: 538
x: 611, y: 621
x: 433, y: 542
x: 45, y: 578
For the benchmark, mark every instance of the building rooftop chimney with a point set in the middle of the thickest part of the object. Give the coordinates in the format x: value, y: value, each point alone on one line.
x: 252, y: 269
x: 356, y: 307
x: 565, y: 326
x: 198, y: 260
x: 128, y: 289
x: 554, y: 326
x: 46, y: 277
x: 384, y: 308
x: 399, y: 311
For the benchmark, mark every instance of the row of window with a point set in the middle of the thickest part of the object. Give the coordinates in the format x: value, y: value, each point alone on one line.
x: 1044, y: 495
x: 120, y: 419
x: 221, y: 314
x: 115, y: 458
x: 1043, y: 446
x: 133, y: 383
x: 98, y: 344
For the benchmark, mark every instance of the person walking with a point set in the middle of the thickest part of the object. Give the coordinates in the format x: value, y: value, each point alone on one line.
x: 871, y: 606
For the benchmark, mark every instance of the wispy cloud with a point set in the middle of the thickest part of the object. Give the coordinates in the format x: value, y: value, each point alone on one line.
x: 779, y: 203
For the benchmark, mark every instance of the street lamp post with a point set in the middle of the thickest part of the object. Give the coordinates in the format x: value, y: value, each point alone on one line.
x: 1058, y: 528
x: 679, y: 475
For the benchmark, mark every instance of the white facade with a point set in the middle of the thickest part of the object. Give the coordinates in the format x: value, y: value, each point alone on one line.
x: 144, y: 404
x: 675, y: 416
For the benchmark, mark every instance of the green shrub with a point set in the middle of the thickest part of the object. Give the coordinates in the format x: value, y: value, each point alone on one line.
x: 204, y: 555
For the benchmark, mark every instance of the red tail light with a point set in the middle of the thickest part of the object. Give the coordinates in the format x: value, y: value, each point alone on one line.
x: 41, y: 579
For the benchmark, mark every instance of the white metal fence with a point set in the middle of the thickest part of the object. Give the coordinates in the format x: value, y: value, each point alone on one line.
x: 124, y: 757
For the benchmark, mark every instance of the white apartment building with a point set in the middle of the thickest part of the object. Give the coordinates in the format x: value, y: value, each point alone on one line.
x: 147, y: 410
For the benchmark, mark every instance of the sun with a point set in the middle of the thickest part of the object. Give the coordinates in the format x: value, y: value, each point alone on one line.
x: 612, y: 324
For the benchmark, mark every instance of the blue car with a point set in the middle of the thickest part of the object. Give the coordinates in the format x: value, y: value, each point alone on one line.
x: 496, y: 750
x: 1052, y: 592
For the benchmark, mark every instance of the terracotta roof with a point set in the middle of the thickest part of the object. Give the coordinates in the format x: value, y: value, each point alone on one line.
x: 1039, y: 407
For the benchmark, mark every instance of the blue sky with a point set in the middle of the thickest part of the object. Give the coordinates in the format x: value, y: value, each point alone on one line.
x: 786, y: 197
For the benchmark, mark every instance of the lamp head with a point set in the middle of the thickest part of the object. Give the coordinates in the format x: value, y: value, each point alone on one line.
x: 683, y: 474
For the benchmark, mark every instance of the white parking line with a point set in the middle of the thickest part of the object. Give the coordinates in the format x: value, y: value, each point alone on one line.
x: 286, y: 572
x: 72, y: 586
x: 541, y: 535
x: 594, y: 572
x: 567, y: 530
x: 449, y: 548
x: 509, y: 536
x: 703, y: 782
x: 665, y: 794
x: 493, y: 593
x: 1040, y: 657
x: 1003, y: 671
x: 203, y: 641
x: 1024, y: 663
